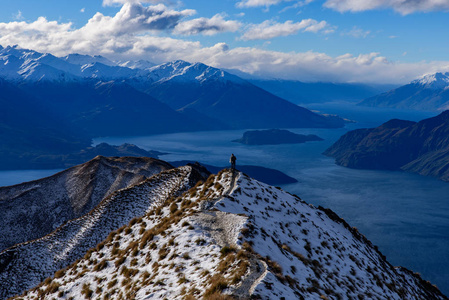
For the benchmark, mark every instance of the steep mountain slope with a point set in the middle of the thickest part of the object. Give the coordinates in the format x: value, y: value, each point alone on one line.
x: 226, y: 98
x: 430, y: 92
x: 28, y: 129
x: 234, y: 237
x: 415, y: 147
x: 110, y: 108
x: 25, y: 265
x: 31, y: 210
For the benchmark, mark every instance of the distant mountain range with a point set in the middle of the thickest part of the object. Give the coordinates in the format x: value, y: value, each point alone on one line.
x: 303, y: 93
x: 429, y: 93
x: 419, y: 147
x: 55, y: 105
x: 177, y: 235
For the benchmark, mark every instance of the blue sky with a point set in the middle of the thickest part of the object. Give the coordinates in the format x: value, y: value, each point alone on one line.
x: 375, y: 41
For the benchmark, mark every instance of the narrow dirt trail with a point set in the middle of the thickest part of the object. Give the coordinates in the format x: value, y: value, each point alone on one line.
x: 219, y: 223
x: 221, y: 226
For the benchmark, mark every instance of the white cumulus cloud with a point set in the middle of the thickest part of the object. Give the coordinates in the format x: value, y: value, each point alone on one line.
x: 270, y: 29
x: 206, y: 26
x: 314, y: 66
x: 402, y: 6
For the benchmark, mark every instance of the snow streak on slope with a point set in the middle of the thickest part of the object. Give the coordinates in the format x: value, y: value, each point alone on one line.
x: 27, y: 264
x: 235, y: 237
x: 181, y: 71
x: 434, y: 81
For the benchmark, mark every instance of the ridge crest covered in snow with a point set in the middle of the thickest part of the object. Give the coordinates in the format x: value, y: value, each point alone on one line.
x: 234, y: 237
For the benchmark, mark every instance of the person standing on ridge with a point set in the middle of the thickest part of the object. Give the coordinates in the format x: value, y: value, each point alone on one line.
x: 232, y: 161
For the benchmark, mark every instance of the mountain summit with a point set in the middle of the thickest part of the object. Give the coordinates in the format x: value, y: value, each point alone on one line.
x: 434, y: 81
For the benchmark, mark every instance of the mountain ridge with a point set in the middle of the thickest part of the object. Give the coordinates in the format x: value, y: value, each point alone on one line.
x: 26, y: 264
x: 232, y: 236
x: 47, y: 203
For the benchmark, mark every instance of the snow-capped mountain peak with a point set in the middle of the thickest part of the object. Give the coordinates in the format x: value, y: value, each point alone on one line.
x: 182, y: 71
x: 139, y: 64
x: 79, y: 59
x: 19, y: 64
x: 434, y: 81
x: 20, y: 53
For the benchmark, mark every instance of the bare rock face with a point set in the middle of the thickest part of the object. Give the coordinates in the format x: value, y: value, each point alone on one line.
x: 33, y: 209
x: 420, y: 147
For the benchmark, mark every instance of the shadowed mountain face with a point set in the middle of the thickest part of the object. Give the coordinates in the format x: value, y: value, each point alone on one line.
x: 398, y: 145
x: 28, y: 129
x: 41, y: 122
x: 33, y: 209
x: 428, y: 93
x: 111, y: 108
x: 237, y: 104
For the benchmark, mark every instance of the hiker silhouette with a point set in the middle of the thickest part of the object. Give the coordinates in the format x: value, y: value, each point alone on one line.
x: 232, y: 161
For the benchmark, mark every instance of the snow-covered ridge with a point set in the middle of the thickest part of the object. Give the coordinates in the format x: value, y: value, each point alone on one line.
x: 22, y: 64
x: 31, y: 210
x: 234, y: 236
x: 181, y: 71
x: 434, y: 81
x: 25, y: 265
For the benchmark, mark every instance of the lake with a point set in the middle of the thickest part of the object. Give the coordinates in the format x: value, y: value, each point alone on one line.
x: 405, y: 215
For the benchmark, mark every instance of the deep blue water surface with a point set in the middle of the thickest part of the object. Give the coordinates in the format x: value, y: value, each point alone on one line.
x: 405, y: 215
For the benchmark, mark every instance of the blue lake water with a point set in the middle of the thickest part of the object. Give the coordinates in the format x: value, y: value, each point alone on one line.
x: 405, y: 215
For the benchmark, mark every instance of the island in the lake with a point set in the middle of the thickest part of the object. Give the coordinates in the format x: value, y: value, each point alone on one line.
x: 275, y: 137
